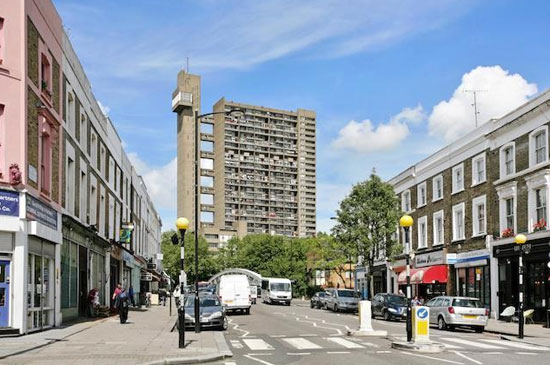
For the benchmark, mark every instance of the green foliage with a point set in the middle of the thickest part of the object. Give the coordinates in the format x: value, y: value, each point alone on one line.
x: 367, y: 220
x: 171, y: 260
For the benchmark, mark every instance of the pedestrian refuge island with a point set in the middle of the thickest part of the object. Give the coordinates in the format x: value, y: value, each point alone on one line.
x: 365, y: 322
x: 420, y: 334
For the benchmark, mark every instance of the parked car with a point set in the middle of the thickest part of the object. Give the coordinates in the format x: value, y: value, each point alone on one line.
x: 317, y: 300
x: 450, y: 312
x: 390, y: 306
x: 212, y: 312
x: 342, y: 300
x: 234, y: 293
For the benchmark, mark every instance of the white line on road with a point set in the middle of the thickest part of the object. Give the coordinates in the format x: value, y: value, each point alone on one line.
x: 230, y: 363
x: 370, y: 344
x: 472, y: 343
x: 493, y: 353
x: 525, y: 353
x: 518, y: 345
x: 383, y: 352
x: 343, y: 342
x: 468, y: 358
x: 449, y: 346
x: 432, y: 358
x: 258, y: 360
x: 257, y: 344
x: 277, y: 336
x: 337, y: 352
x: 236, y: 327
x: 298, y: 353
x: 301, y: 343
x: 236, y: 344
x: 308, y: 335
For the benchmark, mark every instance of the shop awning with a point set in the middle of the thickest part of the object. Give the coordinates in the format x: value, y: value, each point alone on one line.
x: 425, y: 275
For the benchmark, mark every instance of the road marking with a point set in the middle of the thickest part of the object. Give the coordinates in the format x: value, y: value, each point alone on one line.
x: 257, y: 344
x: 468, y: 358
x: 432, y: 358
x: 525, y: 353
x: 308, y: 335
x: 383, y: 352
x: 230, y: 363
x: 301, y: 343
x: 277, y: 336
x: 236, y: 344
x: 236, y: 327
x: 518, y: 345
x: 337, y: 352
x: 258, y: 360
x: 370, y: 344
x: 449, y: 346
x: 298, y: 353
x: 493, y: 353
x: 471, y: 343
x: 343, y: 342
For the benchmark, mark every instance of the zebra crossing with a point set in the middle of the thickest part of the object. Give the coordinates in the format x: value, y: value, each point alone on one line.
x: 310, y: 343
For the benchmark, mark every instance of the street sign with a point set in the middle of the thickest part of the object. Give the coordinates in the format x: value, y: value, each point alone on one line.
x: 146, y: 276
x: 421, y: 324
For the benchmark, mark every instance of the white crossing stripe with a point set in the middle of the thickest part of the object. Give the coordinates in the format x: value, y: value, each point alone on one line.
x: 518, y: 345
x: 449, y: 346
x: 472, y: 343
x: 230, y: 363
x: 301, y: 343
x: 257, y: 344
x: 343, y: 342
x: 236, y: 344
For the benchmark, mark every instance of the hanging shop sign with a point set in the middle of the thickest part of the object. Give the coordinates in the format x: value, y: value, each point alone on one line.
x: 9, y: 203
x: 146, y: 276
x: 430, y: 259
x: 40, y: 212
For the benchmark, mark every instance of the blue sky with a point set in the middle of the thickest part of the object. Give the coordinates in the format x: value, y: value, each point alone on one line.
x: 386, y: 79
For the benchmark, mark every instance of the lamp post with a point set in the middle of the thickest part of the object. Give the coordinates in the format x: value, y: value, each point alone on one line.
x: 520, y: 240
x: 182, y: 224
x: 406, y: 222
x: 197, y: 175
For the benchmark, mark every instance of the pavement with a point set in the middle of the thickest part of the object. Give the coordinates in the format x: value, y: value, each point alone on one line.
x: 144, y: 339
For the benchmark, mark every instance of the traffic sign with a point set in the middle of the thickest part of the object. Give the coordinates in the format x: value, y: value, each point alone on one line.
x: 421, y: 324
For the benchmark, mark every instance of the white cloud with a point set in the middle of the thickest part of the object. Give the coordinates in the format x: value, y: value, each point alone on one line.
x: 364, y: 137
x: 502, y: 92
x: 161, y: 181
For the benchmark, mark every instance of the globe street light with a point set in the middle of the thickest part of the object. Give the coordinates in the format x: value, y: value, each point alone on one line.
x: 182, y: 224
x: 406, y: 222
x: 235, y: 112
x: 520, y: 240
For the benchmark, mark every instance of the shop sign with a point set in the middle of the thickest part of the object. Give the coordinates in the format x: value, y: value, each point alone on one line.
x: 151, y: 266
x: 397, y: 263
x: 472, y: 256
x: 9, y: 203
x: 430, y: 259
x: 146, y: 276
x: 127, y: 256
x: 40, y: 212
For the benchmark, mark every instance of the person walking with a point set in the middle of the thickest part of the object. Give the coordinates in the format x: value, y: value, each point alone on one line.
x: 122, y: 302
x: 117, y: 291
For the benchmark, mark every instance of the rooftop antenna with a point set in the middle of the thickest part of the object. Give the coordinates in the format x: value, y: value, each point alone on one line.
x: 475, y: 91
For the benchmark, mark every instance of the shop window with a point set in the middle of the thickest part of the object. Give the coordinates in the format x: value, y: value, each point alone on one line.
x: 474, y: 282
x: 458, y: 178
x: 437, y: 184
x: 478, y: 169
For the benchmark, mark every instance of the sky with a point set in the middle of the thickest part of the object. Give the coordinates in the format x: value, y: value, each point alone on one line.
x: 390, y: 80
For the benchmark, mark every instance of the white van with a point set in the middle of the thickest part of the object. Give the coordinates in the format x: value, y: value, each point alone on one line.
x: 276, y: 290
x: 234, y: 293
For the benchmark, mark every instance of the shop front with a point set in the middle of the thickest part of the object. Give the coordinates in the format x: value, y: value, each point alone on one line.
x: 115, y: 270
x: 536, y: 276
x: 379, y: 278
x: 429, y: 275
x: 473, y: 275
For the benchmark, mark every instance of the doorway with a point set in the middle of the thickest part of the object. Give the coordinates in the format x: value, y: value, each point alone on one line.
x: 4, y: 293
x: 82, y: 280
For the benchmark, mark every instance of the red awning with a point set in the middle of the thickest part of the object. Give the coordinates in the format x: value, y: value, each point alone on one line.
x: 425, y: 275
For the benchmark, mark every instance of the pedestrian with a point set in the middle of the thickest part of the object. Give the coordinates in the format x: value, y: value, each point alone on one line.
x: 92, y: 295
x: 131, y: 294
x: 415, y: 302
x: 117, y: 291
x: 401, y: 293
x: 162, y: 295
x: 122, y: 304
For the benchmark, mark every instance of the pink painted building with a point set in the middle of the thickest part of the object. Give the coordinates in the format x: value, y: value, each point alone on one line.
x: 31, y: 38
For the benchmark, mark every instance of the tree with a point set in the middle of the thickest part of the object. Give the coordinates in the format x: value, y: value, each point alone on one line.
x: 329, y: 253
x: 367, y: 221
x: 171, y: 260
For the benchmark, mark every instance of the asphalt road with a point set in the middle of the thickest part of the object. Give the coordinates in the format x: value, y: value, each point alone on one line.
x: 277, y: 335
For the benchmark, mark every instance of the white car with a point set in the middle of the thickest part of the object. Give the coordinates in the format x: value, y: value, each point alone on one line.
x: 451, y: 312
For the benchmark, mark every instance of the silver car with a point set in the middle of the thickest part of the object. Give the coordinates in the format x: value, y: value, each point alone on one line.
x: 342, y: 300
x: 450, y: 312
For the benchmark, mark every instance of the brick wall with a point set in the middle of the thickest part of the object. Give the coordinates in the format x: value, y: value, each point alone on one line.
x: 32, y: 134
x: 32, y: 52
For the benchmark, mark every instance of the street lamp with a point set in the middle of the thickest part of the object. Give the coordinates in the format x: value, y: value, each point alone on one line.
x: 236, y: 112
x: 406, y: 222
x: 182, y: 224
x: 520, y: 240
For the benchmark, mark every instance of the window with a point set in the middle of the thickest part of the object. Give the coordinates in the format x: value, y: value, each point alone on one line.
x: 437, y: 184
x: 93, y: 149
x: 540, y: 201
x: 45, y: 75
x: 93, y: 201
x: 478, y: 169
x: 45, y: 158
x: 458, y: 178
x: 69, y: 118
x: 538, y: 185
x: 458, y: 222
x: 70, y: 185
x: 509, y: 213
x: 83, y: 131
x: 207, y: 181
x: 507, y: 160
x: 207, y: 199
x: 207, y: 217
x: 207, y: 163
x: 406, y: 201
x: 102, y: 160
x: 2, y: 135
x: 83, y: 195
x: 207, y: 128
x: 538, y: 140
x: 111, y: 172
x: 2, y: 41
x: 479, y: 216
x: 438, y: 228
x: 207, y: 146
x: 421, y: 198
x: 422, y: 232
x: 507, y: 208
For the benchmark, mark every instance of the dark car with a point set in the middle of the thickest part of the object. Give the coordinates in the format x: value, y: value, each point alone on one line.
x: 212, y: 313
x: 390, y: 306
x: 317, y: 300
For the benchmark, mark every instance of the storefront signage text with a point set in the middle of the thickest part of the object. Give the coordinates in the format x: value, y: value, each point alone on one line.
x: 9, y: 203
x: 40, y: 212
x: 429, y: 259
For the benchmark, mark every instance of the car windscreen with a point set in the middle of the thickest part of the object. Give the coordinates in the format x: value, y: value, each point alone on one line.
x: 467, y: 303
x: 280, y: 286
x: 348, y: 294
x: 397, y: 300
x: 204, y: 302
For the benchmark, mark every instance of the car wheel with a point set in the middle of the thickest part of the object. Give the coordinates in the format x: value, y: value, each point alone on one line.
x: 479, y: 329
x: 387, y: 316
x: 441, y: 325
x: 311, y: 305
x: 247, y: 311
